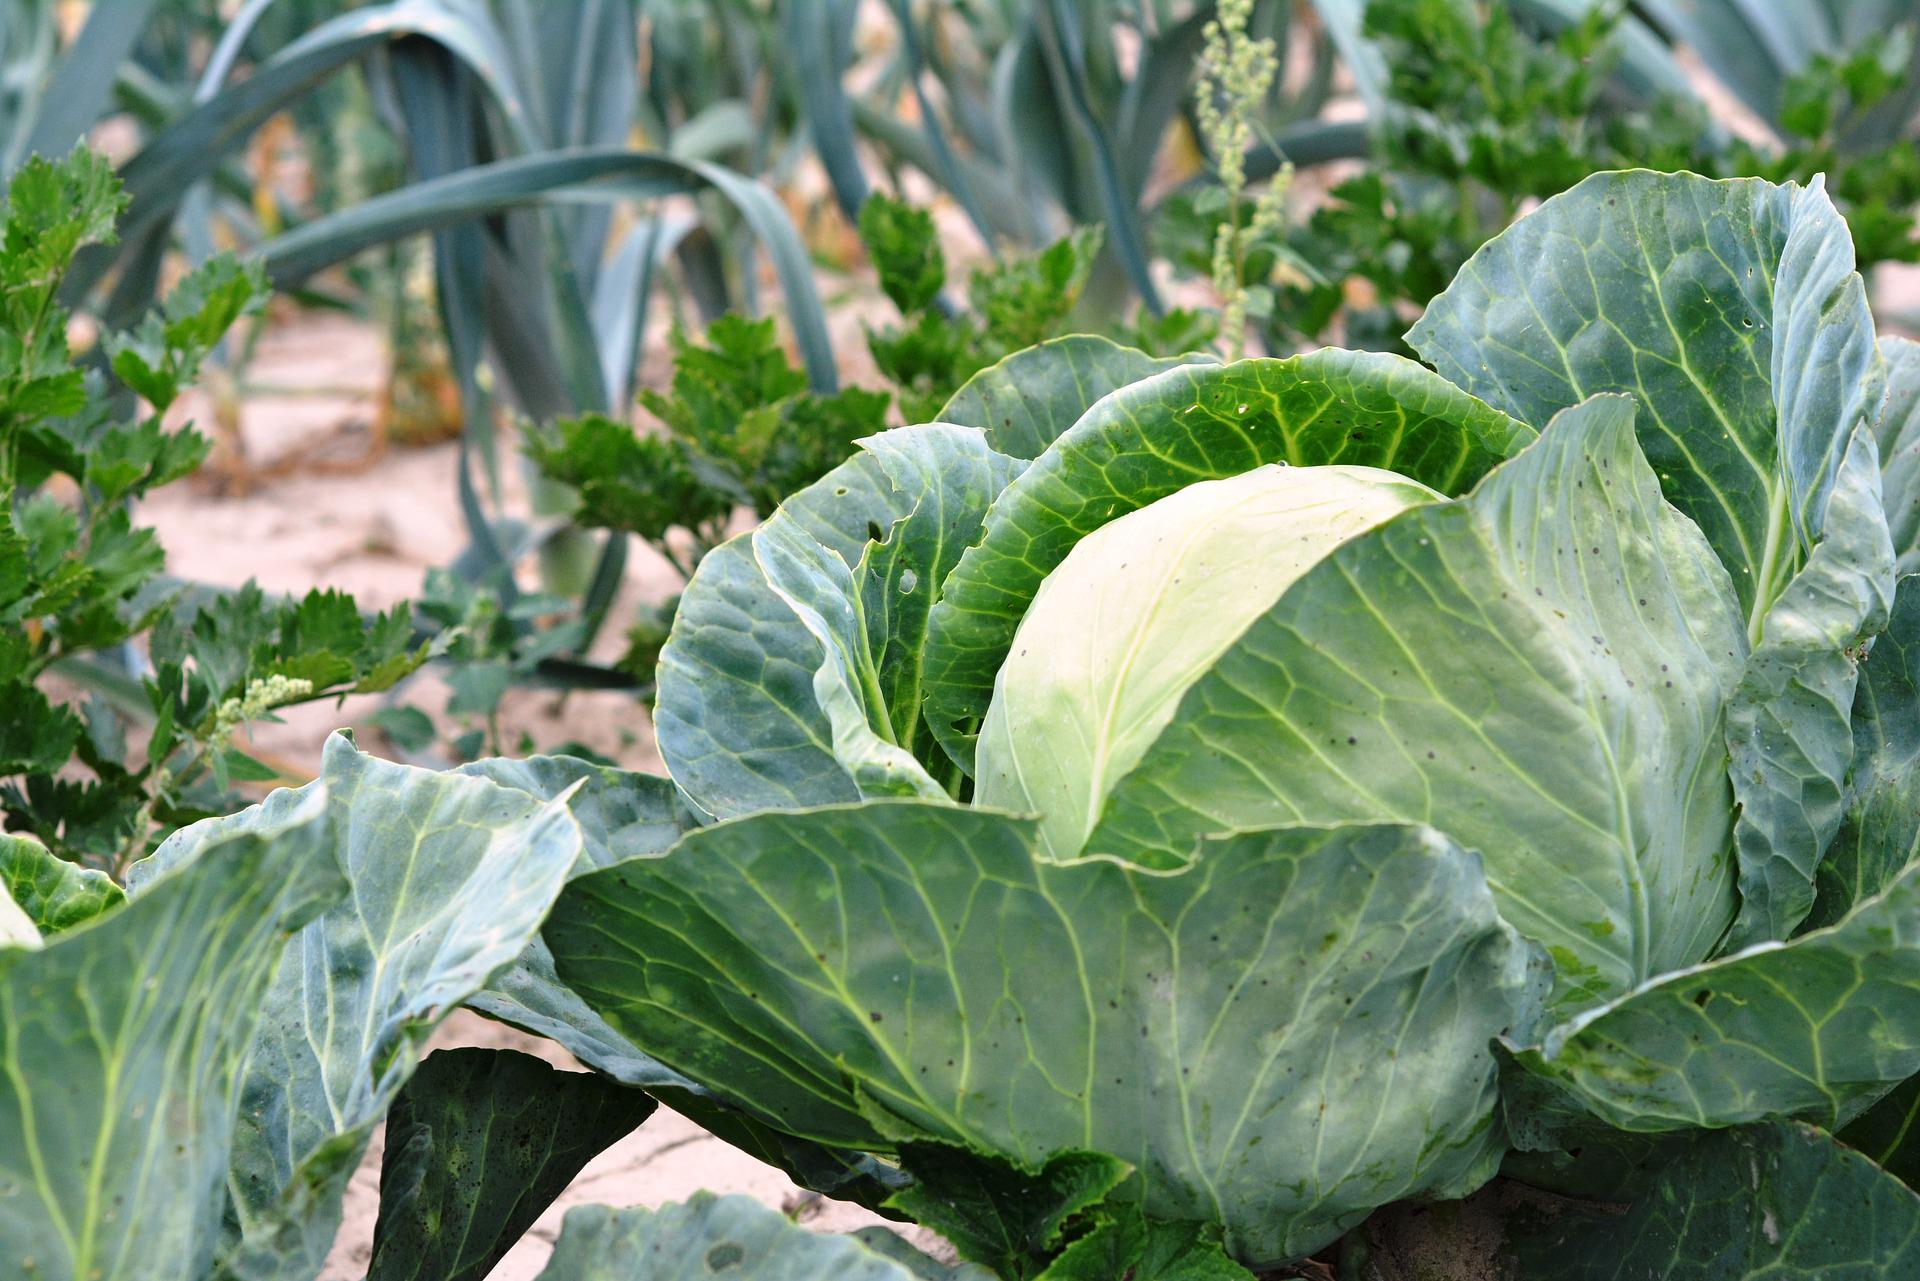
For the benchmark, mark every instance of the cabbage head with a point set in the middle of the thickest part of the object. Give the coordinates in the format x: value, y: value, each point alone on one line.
x: 1305, y: 787
x: 1138, y: 611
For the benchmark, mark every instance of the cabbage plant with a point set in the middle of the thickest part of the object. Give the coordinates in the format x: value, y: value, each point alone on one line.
x: 1165, y: 820
x: 1291, y: 789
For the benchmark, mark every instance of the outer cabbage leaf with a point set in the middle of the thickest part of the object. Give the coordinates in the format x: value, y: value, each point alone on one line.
x: 998, y: 1215
x: 733, y: 1236
x: 792, y: 676
x: 841, y: 1173
x: 1538, y: 670
x: 1139, y: 1249
x: 1025, y: 401
x: 1816, y: 1028
x: 450, y: 878
x: 16, y: 927
x: 123, y: 1044
x: 1279, y: 1038
x: 1162, y: 434
x: 829, y: 596
x: 1889, y: 1133
x: 530, y: 996
x: 1567, y: 1153
x: 734, y: 711
x: 623, y: 814
x: 1898, y: 435
x: 1789, y: 724
x: 1731, y: 311
x: 1880, y: 835
x: 54, y: 894
x: 1782, y: 1202
x: 479, y: 1143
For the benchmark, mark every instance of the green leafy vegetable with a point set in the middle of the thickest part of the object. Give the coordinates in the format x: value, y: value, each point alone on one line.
x: 1318, y: 783
x: 1017, y: 301
x: 996, y: 1214
x: 479, y: 1142
x: 1151, y: 439
x: 1023, y: 1008
x: 1886, y: 1134
x: 1880, y: 835
x: 795, y: 672
x: 1898, y: 433
x: 17, y: 929
x: 125, y: 1043
x: 1059, y: 736
x: 1133, y: 1246
x: 1778, y: 1201
x: 1596, y: 609
x: 1815, y: 1028
x: 1732, y: 313
x: 54, y: 894
x: 451, y: 877
x: 1025, y: 401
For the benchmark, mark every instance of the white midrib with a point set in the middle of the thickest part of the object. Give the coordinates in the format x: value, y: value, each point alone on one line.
x: 1773, y: 563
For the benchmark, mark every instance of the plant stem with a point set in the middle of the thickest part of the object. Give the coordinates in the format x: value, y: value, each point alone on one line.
x: 160, y: 787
